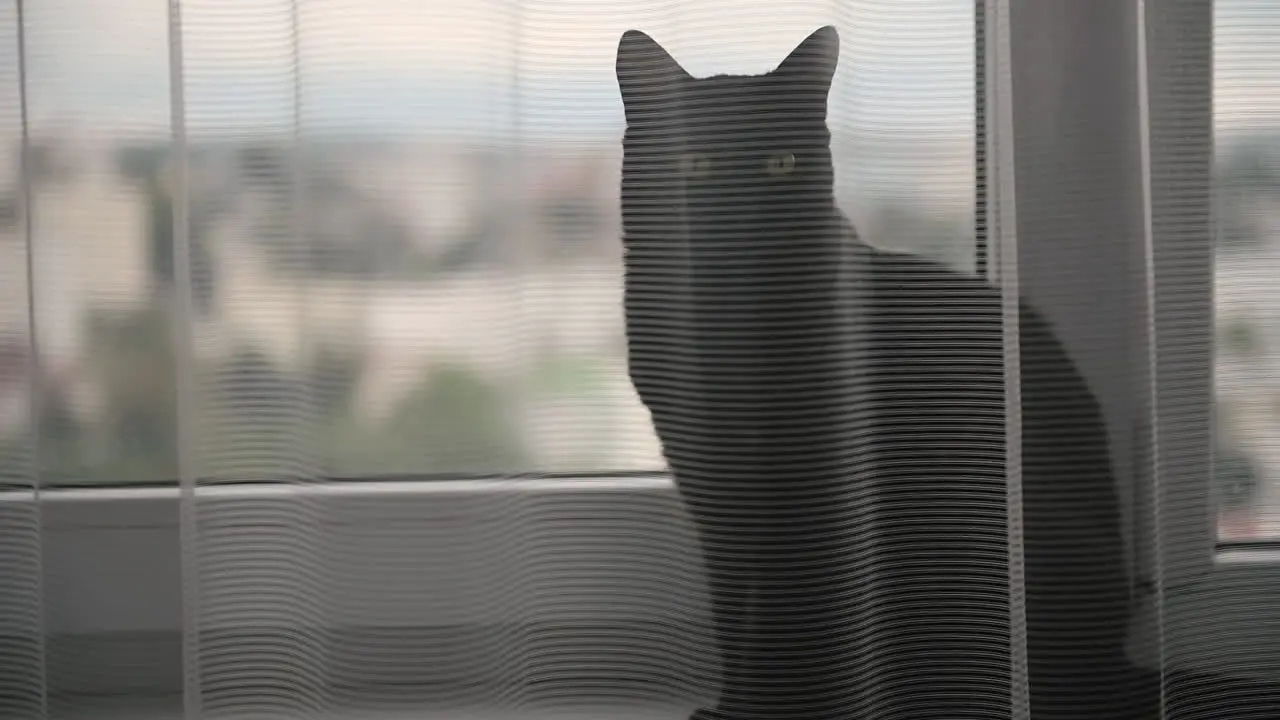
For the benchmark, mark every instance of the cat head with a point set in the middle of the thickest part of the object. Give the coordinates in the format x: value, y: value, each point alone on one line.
x: 753, y: 148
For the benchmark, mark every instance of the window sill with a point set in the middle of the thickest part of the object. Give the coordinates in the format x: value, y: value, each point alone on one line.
x: 113, y: 583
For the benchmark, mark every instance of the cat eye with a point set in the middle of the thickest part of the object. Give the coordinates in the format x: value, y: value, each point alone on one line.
x: 780, y: 163
x: 695, y: 165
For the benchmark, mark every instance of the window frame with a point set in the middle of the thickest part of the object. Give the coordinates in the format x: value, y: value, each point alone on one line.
x: 113, y: 557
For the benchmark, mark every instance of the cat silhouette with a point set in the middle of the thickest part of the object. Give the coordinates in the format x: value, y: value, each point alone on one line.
x: 837, y: 419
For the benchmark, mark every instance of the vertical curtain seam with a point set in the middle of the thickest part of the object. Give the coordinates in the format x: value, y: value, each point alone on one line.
x: 1150, y: 338
x: 35, y: 382
x: 1003, y: 232
x: 187, y: 459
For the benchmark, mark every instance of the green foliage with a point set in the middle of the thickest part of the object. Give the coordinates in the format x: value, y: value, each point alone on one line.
x: 161, y: 248
x: 160, y: 231
x: 1235, y: 478
x: 1233, y: 230
x: 574, y: 223
x: 10, y: 210
x: 136, y: 356
x: 452, y: 422
x: 571, y: 376
x: 334, y: 372
x: 1243, y: 173
x: 62, y: 442
x: 136, y: 440
x: 141, y: 163
x: 1240, y: 337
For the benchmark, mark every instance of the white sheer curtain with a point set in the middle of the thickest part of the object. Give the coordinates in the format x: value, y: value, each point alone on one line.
x: 343, y: 279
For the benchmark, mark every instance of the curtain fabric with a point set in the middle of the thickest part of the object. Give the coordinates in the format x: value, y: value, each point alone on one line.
x: 466, y: 381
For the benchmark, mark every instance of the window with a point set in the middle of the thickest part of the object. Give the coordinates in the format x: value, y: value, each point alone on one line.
x: 399, y: 270
x: 406, y: 271
x: 1246, y: 308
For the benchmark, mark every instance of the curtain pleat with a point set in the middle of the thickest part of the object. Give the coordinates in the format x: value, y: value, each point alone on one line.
x: 22, y: 640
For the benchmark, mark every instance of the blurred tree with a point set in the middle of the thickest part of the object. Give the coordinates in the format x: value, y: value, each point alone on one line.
x: 160, y: 230
x: 140, y: 163
x: 1234, y: 231
x: 334, y: 372
x: 10, y: 210
x: 262, y: 162
x: 61, y: 439
x: 133, y: 360
x: 258, y: 418
x: 44, y: 163
x: 1241, y: 337
x: 161, y: 248
x: 453, y: 422
x: 341, y: 231
x: 1235, y: 478
x: 572, y: 223
x: 472, y: 250
x: 556, y: 375
x: 1246, y: 171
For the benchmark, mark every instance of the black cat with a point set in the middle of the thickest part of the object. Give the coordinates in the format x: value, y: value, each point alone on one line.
x: 836, y: 416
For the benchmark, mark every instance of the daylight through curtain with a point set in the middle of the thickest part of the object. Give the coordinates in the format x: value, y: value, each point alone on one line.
x: 474, y: 357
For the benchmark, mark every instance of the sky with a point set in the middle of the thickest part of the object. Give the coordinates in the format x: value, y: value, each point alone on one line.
x: 527, y: 66
x: 1247, y: 64
x: 490, y: 66
x: 527, y: 69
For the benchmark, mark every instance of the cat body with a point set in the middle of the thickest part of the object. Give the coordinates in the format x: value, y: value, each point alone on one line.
x: 835, y: 418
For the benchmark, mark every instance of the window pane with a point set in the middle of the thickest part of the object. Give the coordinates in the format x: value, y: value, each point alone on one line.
x: 1247, y: 263
x: 97, y: 104
x: 403, y: 220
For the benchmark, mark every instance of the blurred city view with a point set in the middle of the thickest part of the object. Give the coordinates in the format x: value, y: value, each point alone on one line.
x: 465, y: 322
x: 319, y: 291
x: 1247, y: 329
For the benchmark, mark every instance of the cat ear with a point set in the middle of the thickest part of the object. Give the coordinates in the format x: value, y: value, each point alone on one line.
x: 814, y: 60
x: 645, y: 73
